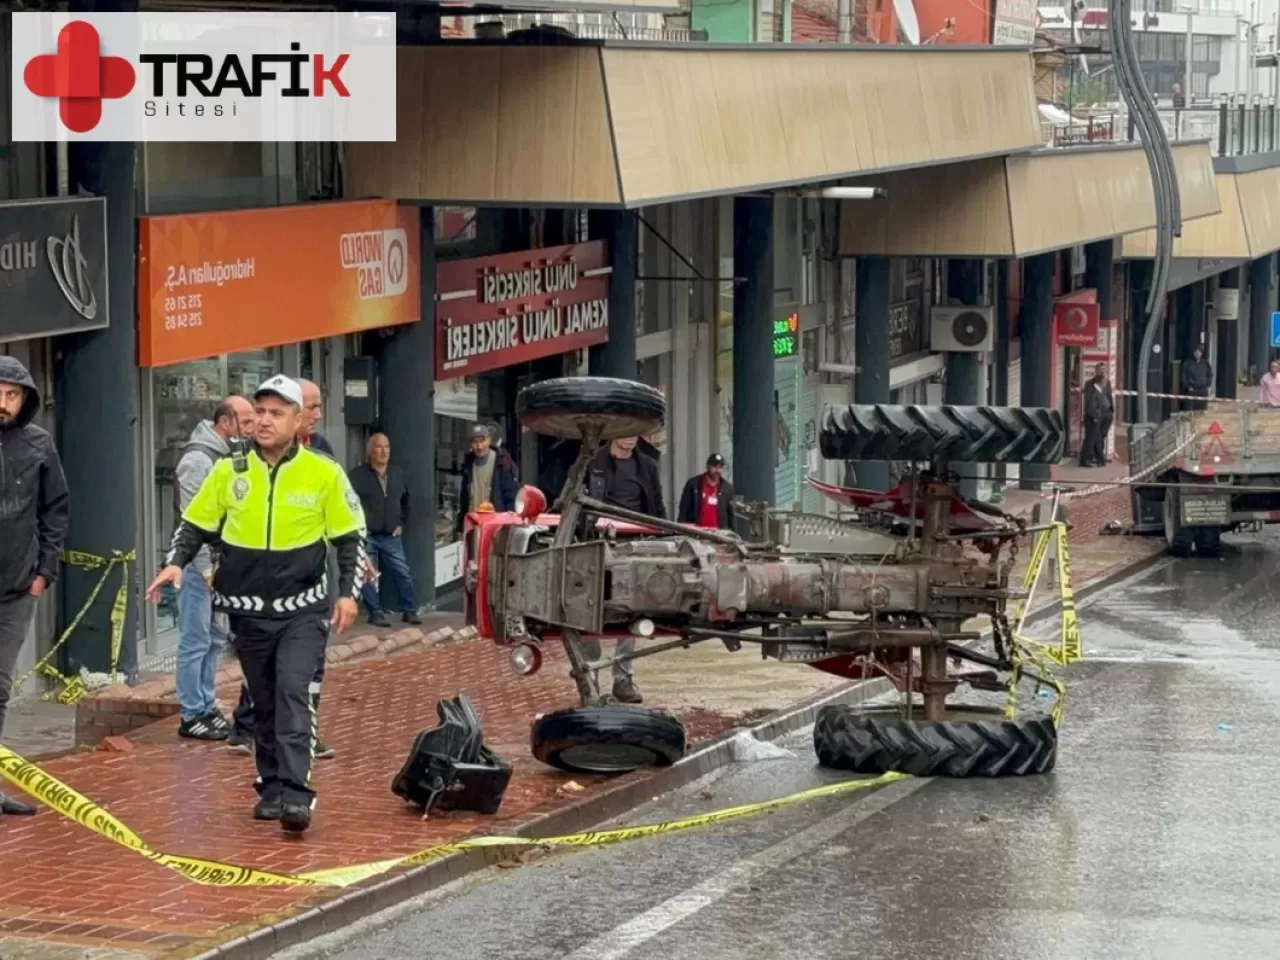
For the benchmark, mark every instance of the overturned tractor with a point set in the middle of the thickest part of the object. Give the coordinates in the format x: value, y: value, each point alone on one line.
x: 892, y: 592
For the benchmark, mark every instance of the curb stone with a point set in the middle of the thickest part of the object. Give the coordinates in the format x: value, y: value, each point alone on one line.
x: 631, y: 791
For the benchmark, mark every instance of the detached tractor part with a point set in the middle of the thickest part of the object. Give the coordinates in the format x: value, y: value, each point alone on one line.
x: 450, y: 768
x: 836, y: 595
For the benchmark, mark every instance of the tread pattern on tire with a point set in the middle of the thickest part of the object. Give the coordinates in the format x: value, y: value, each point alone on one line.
x: 653, y: 730
x: 960, y: 434
x: 875, y: 742
x: 549, y: 406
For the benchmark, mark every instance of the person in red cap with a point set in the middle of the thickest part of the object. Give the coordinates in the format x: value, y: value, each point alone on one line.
x: 707, y: 500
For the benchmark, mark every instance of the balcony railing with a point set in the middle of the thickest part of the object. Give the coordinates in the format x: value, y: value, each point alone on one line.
x: 1233, y: 127
x: 604, y: 30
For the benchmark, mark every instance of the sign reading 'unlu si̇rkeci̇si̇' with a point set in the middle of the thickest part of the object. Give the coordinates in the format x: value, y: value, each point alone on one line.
x: 492, y: 312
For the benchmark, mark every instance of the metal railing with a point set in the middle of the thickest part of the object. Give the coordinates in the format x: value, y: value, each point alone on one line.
x: 606, y: 30
x: 1233, y: 127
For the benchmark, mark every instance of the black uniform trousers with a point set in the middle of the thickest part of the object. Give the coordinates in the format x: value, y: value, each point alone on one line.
x: 280, y: 659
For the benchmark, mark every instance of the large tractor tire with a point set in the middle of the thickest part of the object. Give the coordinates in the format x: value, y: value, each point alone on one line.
x: 565, y: 406
x: 970, y: 742
x: 960, y: 434
x: 612, y: 739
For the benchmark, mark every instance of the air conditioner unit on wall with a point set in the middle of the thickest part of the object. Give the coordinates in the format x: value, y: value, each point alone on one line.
x: 961, y: 329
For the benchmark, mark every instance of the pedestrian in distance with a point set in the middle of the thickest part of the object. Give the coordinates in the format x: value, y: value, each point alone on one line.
x: 278, y: 506
x: 34, y: 512
x: 384, y: 496
x: 488, y: 476
x: 622, y: 475
x: 202, y: 634
x: 1099, y: 411
x: 707, y: 499
x: 313, y: 416
x: 1269, y: 385
x: 1196, y: 376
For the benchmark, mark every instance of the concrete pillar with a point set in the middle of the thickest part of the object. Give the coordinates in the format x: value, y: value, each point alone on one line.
x: 407, y: 363
x: 964, y: 370
x: 1226, y: 362
x: 753, y: 418
x: 1000, y: 369
x: 1099, y: 271
x: 95, y: 392
x: 621, y: 231
x: 1037, y: 349
x: 871, y: 353
x: 1261, y: 306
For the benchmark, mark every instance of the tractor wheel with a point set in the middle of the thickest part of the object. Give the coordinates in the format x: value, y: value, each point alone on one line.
x: 960, y: 434
x: 971, y: 742
x: 614, y: 739
x: 564, y: 407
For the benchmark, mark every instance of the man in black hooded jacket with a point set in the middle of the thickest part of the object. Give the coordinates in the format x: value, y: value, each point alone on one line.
x: 33, y: 523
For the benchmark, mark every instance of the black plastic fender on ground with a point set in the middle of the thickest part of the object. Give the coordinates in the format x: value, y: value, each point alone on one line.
x: 612, y: 739
x: 562, y: 407
x: 971, y: 742
x: 960, y: 434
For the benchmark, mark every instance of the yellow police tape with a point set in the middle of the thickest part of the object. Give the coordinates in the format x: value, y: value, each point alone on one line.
x: 1027, y: 651
x: 71, y: 690
x: 213, y: 873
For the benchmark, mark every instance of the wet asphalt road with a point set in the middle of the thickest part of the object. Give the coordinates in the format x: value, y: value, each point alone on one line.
x: 1158, y: 835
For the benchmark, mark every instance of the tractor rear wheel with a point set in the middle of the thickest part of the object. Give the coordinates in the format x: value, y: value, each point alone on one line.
x: 565, y: 407
x: 970, y: 742
x: 960, y: 434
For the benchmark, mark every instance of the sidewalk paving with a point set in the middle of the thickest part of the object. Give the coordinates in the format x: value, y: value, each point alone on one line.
x: 85, y: 893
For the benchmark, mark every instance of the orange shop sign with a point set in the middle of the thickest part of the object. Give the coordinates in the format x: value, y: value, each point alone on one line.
x: 213, y: 283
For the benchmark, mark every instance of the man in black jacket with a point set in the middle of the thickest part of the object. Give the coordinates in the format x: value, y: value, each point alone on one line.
x: 707, y: 500
x: 623, y: 476
x: 34, y: 504
x: 1099, y: 409
x: 488, y: 476
x: 1197, y: 379
x: 384, y: 494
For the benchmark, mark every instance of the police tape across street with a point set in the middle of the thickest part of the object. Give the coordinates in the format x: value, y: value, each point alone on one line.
x: 73, y: 805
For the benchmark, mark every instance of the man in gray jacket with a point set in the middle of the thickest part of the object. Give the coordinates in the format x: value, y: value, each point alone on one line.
x: 34, y: 505
x: 201, y: 635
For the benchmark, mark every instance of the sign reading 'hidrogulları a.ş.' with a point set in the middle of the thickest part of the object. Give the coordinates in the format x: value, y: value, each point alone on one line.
x: 53, y: 267
x: 492, y: 312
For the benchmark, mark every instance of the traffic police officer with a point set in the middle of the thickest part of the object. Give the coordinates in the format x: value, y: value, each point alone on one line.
x: 273, y: 511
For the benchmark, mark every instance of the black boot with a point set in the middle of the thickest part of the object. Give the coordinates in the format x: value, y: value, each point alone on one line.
x: 295, y: 817
x: 267, y: 809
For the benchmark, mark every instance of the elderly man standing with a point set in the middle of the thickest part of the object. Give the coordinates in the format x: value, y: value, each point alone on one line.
x: 202, y: 634
x: 312, y: 417
x: 34, y: 503
x: 384, y: 494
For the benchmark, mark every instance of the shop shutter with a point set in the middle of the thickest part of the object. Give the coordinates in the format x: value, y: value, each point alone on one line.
x: 788, y: 454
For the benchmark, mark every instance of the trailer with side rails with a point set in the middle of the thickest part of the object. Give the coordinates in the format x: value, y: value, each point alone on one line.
x: 1203, y: 473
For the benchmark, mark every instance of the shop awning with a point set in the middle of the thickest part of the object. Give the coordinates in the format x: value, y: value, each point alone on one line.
x: 617, y: 124
x: 1020, y: 205
x: 1248, y: 225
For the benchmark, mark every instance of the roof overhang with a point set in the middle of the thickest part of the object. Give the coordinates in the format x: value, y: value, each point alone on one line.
x: 1248, y: 224
x: 1018, y: 206
x: 629, y: 125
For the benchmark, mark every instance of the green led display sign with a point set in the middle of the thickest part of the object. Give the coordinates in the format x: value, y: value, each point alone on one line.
x: 786, y: 337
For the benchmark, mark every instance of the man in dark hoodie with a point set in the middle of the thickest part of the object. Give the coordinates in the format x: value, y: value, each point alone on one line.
x: 34, y: 504
x: 622, y: 475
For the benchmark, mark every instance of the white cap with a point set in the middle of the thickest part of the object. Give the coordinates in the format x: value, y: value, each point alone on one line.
x: 283, y: 387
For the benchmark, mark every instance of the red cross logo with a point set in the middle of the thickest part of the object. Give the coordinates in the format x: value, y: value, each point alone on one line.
x: 79, y: 76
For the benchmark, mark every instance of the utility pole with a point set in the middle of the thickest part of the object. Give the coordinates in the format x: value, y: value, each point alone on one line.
x: 844, y: 21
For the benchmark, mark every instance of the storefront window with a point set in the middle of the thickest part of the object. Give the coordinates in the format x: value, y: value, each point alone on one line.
x: 183, y: 395
x: 456, y: 411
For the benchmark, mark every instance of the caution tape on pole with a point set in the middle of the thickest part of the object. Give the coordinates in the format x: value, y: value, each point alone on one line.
x: 71, y: 690
x: 1029, y: 652
x: 56, y: 795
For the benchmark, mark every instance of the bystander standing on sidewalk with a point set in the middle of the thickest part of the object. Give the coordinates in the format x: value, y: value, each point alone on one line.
x: 1269, y: 385
x: 202, y: 634
x: 384, y: 494
x: 1099, y: 412
x: 312, y: 417
x: 488, y: 476
x: 274, y: 527
x: 34, y: 503
x: 622, y: 475
x: 1196, y: 378
x: 707, y: 500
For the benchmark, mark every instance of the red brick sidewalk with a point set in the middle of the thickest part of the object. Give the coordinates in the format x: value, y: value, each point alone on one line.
x: 192, y: 798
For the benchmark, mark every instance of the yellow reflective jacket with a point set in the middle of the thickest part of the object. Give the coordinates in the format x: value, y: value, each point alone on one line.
x: 274, y: 524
